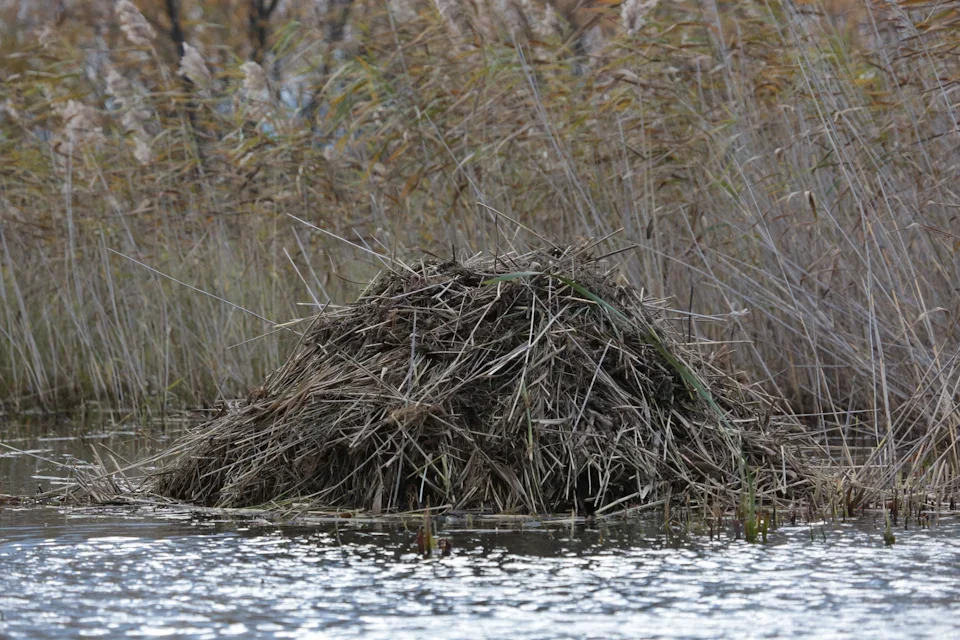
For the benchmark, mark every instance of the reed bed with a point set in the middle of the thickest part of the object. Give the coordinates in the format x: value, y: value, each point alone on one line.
x: 788, y: 168
x: 533, y: 382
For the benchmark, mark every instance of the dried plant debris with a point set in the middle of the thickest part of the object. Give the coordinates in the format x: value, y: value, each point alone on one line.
x: 527, y: 383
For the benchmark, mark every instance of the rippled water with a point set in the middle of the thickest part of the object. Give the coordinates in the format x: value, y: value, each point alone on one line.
x: 76, y: 574
x: 80, y: 573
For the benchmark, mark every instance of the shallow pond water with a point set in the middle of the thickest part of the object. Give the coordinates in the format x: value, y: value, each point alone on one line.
x: 70, y: 573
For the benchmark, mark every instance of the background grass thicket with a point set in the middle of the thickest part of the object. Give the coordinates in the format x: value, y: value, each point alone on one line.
x: 788, y: 169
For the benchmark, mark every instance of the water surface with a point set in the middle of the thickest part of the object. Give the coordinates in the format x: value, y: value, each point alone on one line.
x: 70, y: 573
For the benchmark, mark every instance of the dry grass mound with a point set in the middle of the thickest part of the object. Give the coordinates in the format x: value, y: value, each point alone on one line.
x: 518, y: 382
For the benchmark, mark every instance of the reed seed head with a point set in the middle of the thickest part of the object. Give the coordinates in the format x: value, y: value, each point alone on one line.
x: 117, y: 87
x: 633, y: 14
x: 142, y: 151
x: 254, y: 80
x: 133, y: 121
x: 403, y: 10
x: 546, y: 23
x: 193, y: 67
x: 514, y: 17
x: 81, y: 124
x: 46, y: 36
x: 453, y: 14
x: 134, y: 25
x: 257, y: 90
x: 594, y: 41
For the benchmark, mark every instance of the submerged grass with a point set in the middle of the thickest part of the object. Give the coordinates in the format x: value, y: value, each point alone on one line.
x: 787, y: 169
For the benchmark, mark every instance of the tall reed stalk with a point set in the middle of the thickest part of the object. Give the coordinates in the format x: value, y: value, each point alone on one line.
x: 786, y: 170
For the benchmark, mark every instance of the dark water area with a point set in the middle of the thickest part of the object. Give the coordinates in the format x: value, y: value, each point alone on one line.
x: 41, y: 457
x: 81, y: 572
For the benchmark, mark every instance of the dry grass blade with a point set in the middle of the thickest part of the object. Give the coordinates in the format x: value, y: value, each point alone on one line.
x: 534, y: 389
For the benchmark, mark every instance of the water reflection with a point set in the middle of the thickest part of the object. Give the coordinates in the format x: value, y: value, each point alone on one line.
x: 45, y: 456
x: 67, y: 574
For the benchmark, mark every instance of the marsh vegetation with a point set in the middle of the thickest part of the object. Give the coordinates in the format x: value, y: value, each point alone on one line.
x: 782, y: 173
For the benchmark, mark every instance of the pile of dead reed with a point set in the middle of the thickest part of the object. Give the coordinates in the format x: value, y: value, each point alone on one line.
x: 515, y: 382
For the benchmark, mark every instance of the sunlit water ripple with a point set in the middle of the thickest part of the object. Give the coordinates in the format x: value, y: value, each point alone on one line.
x: 69, y: 575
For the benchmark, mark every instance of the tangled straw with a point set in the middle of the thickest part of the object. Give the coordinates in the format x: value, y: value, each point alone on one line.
x: 520, y: 382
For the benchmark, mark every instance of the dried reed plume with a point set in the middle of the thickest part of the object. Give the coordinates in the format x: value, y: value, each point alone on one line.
x: 117, y: 87
x: 545, y: 22
x: 133, y: 115
x: 134, y: 25
x: 142, y: 150
x: 256, y: 89
x: 403, y: 10
x: 193, y: 67
x: 46, y: 35
x: 81, y: 126
x: 254, y: 80
x: 530, y: 382
x: 454, y: 16
x: 514, y: 16
x: 594, y: 41
x: 633, y: 14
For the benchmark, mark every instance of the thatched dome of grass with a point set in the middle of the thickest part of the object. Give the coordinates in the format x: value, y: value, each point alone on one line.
x: 529, y: 382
